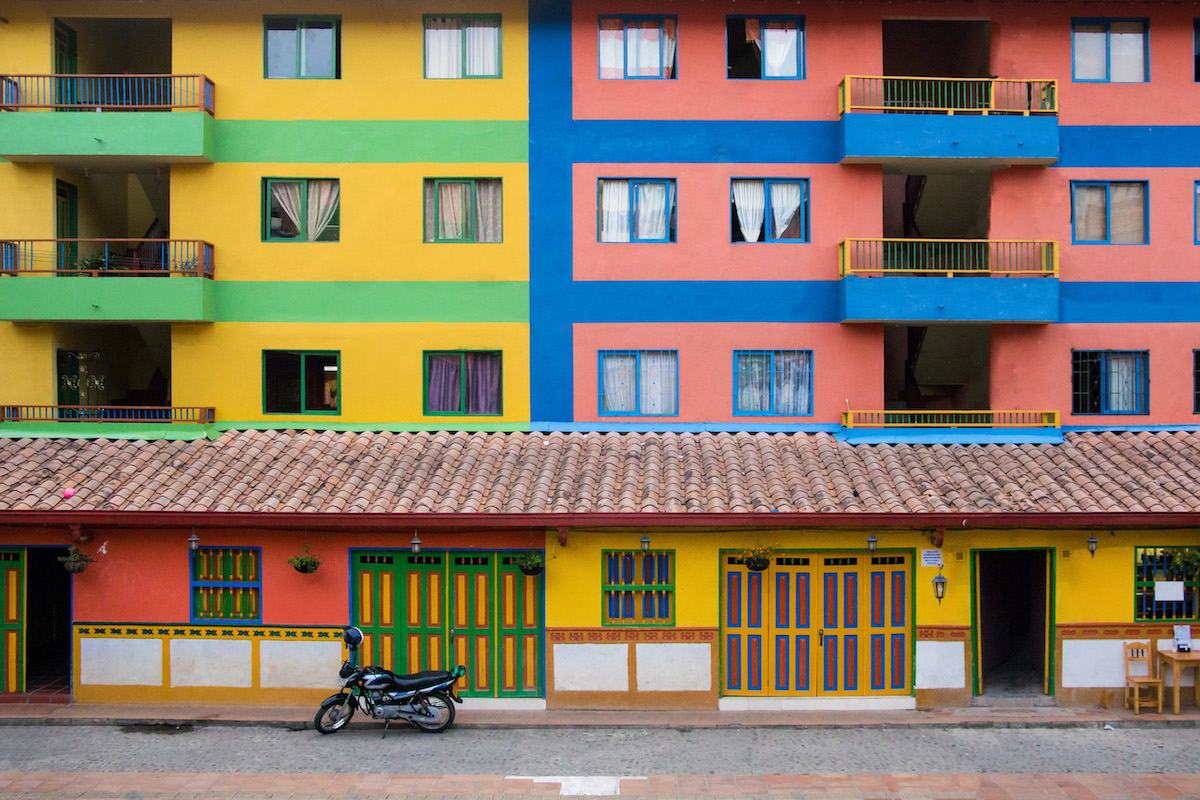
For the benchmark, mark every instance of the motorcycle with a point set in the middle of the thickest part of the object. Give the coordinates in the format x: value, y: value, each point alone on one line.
x: 423, y: 698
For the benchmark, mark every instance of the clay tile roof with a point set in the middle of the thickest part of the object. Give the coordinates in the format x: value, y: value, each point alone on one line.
x: 584, y: 473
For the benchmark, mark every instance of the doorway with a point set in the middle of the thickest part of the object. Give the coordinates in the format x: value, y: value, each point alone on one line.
x: 1013, y: 623
x: 35, y: 624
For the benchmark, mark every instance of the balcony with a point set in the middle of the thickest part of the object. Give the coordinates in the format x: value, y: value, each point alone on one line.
x: 140, y: 133
x: 190, y: 414
x: 950, y: 419
x: 948, y: 280
x: 912, y: 121
x: 106, y: 280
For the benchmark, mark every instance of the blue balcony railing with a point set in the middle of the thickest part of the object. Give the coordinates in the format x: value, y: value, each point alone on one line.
x: 107, y: 257
x: 107, y: 92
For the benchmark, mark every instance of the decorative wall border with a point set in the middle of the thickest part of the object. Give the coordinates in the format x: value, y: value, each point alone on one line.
x: 140, y: 631
x: 630, y: 635
x: 1118, y: 630
x: 943, y: 633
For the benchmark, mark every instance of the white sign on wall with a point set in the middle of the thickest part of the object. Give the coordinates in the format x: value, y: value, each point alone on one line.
x: 931, y: 558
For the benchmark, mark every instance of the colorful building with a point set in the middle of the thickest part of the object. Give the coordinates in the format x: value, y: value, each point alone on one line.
x: 640, y: 288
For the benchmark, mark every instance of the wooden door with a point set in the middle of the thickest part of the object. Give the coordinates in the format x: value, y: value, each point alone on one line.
x: 12, y: 620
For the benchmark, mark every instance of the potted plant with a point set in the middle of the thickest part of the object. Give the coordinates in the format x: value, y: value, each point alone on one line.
x: 1185, y: 561
x: 531, y: 562
x: 75, y: 560
x: 756, y: 557
x: 305, y: 561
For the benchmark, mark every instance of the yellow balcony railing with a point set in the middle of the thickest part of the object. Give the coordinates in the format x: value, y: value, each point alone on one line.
x: 950, y: 419
x: 916, y: 95
x: 948, y: 257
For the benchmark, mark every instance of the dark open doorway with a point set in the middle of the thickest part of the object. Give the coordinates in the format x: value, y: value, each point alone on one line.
x: 1012, y: 624
x: 47, y: 626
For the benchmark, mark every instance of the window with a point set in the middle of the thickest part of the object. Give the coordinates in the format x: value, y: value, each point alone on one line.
x: 636, y: 210
x: 1110, y: 50
x: 1153, y: 565
x: 769, y: 210
x: 462, y: 46
x: 227, y: 584
x: 301, y: 210
x: 298, y: 382
x: 639, y: 382
x: 1196, y: 214
x: 639, y: 588
x: 1196, y: 381
x: 1109, y: 212
x: 637, y: 47
x: 302, y: 47
x: 462, y: 383
x: 772, y: 382
x: 1110, y: 382
x: 764, y: 47
x: 463, y: 210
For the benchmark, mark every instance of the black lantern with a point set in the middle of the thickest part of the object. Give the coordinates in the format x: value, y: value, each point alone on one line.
x: 1092, y: 542
x: 939, y: 586
x: 415, y: 544
x: 645, y: 543
x: 872, y: 543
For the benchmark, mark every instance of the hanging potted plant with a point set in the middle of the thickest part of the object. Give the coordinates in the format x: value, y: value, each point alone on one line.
x: 75, y: 561
x: 305, y: 562
x: 756, y: 557
x: 531, y: 562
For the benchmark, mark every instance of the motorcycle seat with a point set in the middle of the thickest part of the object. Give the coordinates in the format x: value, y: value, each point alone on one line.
x: 429, y: 677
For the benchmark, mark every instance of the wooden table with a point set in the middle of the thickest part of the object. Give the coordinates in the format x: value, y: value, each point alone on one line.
x: 1180, y: 662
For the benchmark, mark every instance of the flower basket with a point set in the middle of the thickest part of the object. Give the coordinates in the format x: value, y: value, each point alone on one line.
x: 530, y: 562
x: 75, y: 567
x: 757, y: 564
x: 532, y: 570
x: 75, y: 561
x: 305, y: 562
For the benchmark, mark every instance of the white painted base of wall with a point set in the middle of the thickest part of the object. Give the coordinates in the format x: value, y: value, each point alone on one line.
x: 817, y: 703
x: 504, y: 703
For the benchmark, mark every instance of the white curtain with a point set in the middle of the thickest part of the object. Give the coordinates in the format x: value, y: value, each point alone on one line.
x: 779, y: 50
x: 749, y: 198
x: 443, y: 48
x: 1127, y: 214
x: 669, y: 43
x: 1091, y: 219
x: 644, y: 49
x: 489, y: 210
x: 785, y: 203
x: 323, y: 200
x: 614, y: 211
x: 753, y: 386
x: 792, y: 370
x: 618, y: 375
x: 452, y: 211
x: 612, y: 49
x: 1091, y: 52
x: 1127, y: 52
x: 290, y: 199
x: 1122, y: 382
x: 657, y: 374
x: 483, y: 47
x: 650, y: 204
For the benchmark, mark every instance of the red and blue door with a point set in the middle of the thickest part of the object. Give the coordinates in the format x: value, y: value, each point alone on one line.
x: 821, y: 624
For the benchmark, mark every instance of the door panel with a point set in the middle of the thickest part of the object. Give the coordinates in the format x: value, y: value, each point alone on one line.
x: 12, y: 620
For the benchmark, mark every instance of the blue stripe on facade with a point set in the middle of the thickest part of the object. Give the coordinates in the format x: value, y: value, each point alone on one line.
x: 1129, y: 146
x: 1120, y: 302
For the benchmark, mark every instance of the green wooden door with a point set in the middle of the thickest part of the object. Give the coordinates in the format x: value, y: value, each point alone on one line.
x: 400, y: 606
x: 12, y: 620
x: 472, y: 613
x: 66, y: 225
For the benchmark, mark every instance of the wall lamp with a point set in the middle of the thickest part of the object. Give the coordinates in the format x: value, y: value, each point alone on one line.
x: 1092, y: 542
x: 939, y: 586
x: 193, y: 541
x: 645, y: 543
x: 415, y: 544
x: 872, y: 543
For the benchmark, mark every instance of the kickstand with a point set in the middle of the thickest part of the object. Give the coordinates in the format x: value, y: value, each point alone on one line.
x: 387, y: 723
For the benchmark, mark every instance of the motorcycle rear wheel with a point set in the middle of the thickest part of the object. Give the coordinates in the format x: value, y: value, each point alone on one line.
x: 442, y: 710
x: 333, y: 714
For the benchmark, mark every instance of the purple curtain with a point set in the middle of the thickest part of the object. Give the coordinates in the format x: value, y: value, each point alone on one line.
x: 444, y: 383
x: 483, y: 383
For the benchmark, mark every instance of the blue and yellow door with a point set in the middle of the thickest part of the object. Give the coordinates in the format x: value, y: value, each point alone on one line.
x: 823, y: 624
x: 434, y: 610
x: 12, y: 620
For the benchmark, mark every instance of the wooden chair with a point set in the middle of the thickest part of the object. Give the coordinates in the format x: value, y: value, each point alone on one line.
x: 1135, y: 681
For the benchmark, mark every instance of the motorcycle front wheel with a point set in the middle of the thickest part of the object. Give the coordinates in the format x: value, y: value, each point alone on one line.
x: 440, y: 711
x: 333, y: 714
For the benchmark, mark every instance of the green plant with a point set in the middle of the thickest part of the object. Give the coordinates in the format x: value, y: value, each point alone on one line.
x: 305, y: 561
x: 76, y: 556
x: 1185, y: 560
x: 756, y: 552
x: 529, y: 560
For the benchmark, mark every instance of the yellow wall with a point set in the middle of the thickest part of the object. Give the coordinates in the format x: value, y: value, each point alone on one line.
x: 382, y: 219
x: 26, y: 200
x: 381, y: 367
x: 27, y: 363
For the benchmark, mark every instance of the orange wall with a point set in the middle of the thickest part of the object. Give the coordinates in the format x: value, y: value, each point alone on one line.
x: 845, y: 201
x: 1028, y: 40
x: 847, y: 365
x: 1031, y: 368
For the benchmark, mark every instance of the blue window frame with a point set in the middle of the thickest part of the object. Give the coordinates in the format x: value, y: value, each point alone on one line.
x: 637, y: 48
x: 1110, y: 382
x: 227, y: 584
x: 639, y: 588
x: 765, y: 48
x: 769, y: 209
x: 1110, y: 51
x: 772, y: 383
x: 1110, y: 212
x: 642, y: 383
x: 1196, y: 381
x: 1196, y: 213
x: 635, y: 209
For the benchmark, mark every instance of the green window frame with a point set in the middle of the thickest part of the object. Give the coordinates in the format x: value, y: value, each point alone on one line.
x: 463, y: 56
x: 459, y: 210
x: 1151, y: 564
x: 302, y: 47
x: 302, y: 382
x: 472, y: 381
x: 227, y: 584
x: 301, y: 210
x: 638, y: 588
